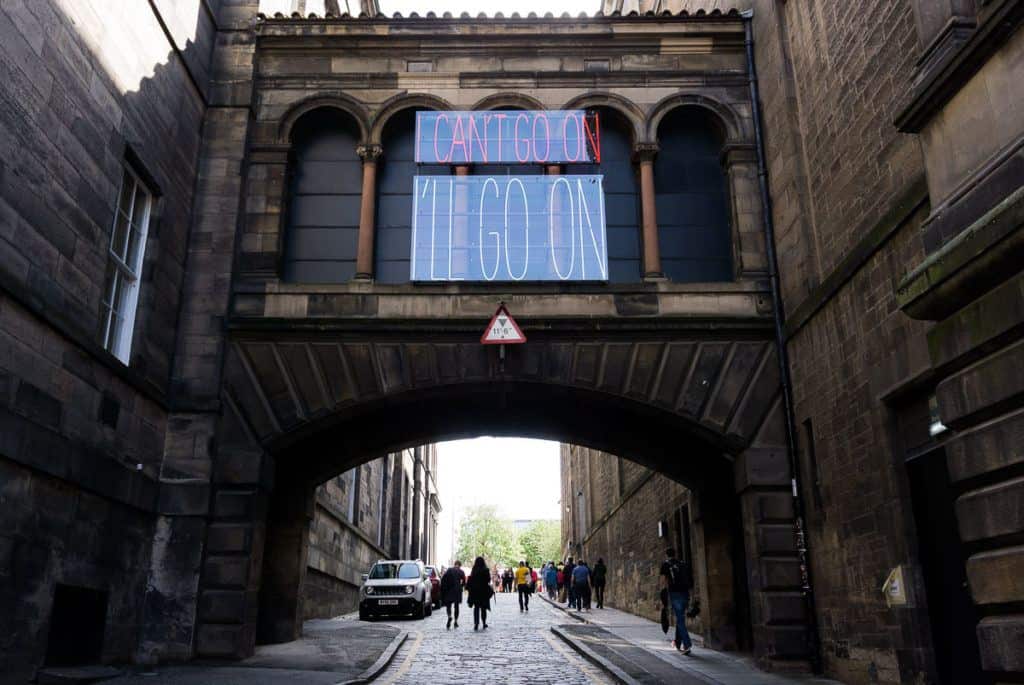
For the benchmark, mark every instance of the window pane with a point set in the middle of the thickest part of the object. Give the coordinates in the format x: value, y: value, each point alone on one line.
x: 134, y: 256
x: 109, y: 283
x: 119, y: 241
x: 105, y: 328
x: 120, y: 293
x: 124, y: 202
x: 114, y: 334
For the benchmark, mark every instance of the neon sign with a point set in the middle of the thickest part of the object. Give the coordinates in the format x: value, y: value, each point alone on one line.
x: 509, y: 228
x: 508, y: 137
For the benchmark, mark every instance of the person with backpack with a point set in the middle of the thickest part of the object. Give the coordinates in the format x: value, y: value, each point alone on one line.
x: 523, y: 586
x: 480, y: 592
x: 677, y: 580
x: 597, y: 580
x: 453, y: 582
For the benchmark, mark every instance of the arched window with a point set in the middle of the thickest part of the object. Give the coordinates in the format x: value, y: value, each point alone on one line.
x: 694, y: 236
x: 393, y: 240
x: 324, y: 187
x: 621, y: 196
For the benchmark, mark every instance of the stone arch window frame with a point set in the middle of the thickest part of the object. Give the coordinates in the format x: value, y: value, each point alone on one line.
x: 269, y: 168
x: 739, y: 163
x: 374, y: 146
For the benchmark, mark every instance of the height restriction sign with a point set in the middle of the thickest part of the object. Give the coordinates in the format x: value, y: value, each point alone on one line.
x: 503, y: 329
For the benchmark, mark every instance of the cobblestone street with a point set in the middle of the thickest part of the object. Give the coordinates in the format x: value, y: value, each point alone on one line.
x: 515, y: 648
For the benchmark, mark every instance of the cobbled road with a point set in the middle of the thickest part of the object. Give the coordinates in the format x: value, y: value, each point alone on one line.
x: 517, y: 648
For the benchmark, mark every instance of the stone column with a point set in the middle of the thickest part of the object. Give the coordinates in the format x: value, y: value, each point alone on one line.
x: 416, y: 538
x: 285, y: 558
x: 553, y: 169
x: 367, y: 207
x: 645, y: 153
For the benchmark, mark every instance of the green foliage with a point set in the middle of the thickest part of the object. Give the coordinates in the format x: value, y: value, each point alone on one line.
x: 483, y: 533
x: 541, y: 542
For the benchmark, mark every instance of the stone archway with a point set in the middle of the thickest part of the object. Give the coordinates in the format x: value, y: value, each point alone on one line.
x: 303, y: 406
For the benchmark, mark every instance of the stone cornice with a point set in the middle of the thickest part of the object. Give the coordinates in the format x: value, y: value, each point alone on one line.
x: 946, y: 77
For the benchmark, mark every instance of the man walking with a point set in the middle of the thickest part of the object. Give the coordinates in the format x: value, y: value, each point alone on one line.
x: 581, y: 585
x: 677, y: 578
x: 523, y: 586
x: 567, y: 574
x: 597, y: 580
x: 453, y: 582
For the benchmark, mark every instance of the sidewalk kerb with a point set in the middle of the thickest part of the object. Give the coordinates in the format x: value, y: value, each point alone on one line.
x: 558, y: 605
x: 590, y: 655
x: 382, y: 662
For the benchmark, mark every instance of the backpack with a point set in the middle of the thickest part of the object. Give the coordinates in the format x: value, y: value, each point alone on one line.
x: 680, y: 576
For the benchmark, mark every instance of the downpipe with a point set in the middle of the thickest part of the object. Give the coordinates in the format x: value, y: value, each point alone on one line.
x: 802, y: 537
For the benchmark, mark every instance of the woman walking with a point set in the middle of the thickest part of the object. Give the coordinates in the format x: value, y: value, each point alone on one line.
x: 479, y: 587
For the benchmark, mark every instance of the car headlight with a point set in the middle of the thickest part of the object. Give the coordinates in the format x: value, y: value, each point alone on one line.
x: 409, y: 589
x: 368, y: 589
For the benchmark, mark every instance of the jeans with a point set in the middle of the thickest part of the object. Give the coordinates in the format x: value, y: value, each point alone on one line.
x: 552, y: 589
x: 479, y: 613
x: 582, y: 594
x: 599, y: 595
x: 679, y: 600
x: 571, y: 594
x: 524, y: 597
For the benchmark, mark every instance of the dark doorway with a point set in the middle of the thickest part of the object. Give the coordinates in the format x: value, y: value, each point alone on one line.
x: 77, y: 623
x: 951, y: 611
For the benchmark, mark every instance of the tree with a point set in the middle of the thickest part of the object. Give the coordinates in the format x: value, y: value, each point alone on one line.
x: 541, y: 542
x: 483, y: 533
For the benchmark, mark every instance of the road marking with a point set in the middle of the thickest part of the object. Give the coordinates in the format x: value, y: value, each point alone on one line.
x: 407, y: 663
x: 572, y: 657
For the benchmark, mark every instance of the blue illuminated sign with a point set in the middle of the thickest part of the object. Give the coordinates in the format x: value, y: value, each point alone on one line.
x: 508, y: 137
x: 509, y: 228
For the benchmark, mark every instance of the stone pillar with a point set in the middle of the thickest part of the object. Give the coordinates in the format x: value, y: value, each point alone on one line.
x: 416, y: 538
x: 740, y: 164
x: 367, y: 207
x: 285, y: 558
x: 645, y: 153
x: 553, y: 169
x: 715, y: 546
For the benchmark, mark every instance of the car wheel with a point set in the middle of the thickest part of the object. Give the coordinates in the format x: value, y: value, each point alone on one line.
x: 423, y: 611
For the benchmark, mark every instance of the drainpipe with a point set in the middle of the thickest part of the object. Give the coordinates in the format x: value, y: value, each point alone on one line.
x: 802, y: 537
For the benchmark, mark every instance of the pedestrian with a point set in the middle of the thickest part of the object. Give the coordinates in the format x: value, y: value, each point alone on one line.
x: 551, y: 581
x: 523, y: 586
x: 569, y: 566
x: 534, y: 578
x: 597, y: 580
x: 453, y: 582
x: 677, y: 578
x: 480, y: 592
x: 581, y: 585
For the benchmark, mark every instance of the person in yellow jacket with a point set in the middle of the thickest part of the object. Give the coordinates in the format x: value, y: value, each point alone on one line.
x: 523, y: 585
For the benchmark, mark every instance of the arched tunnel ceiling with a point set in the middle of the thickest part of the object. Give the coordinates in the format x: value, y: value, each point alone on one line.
x: 679, y: 407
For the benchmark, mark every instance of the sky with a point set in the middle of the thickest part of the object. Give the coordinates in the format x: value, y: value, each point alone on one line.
x: 456, y: 7
x: 517, y: 475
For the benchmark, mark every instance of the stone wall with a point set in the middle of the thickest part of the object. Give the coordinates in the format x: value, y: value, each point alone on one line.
x: 86, y: 89
x: 622, y: 504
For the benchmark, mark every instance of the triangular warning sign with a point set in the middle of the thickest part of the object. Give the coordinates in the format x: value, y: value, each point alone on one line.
x: 502, y: 330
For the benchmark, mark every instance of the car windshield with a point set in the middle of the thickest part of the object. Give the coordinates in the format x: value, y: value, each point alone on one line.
x: 390, y: 571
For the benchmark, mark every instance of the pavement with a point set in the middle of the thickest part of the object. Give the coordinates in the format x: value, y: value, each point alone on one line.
x: 331, y: 651
x: 640, y: 652
x: 546, y: 646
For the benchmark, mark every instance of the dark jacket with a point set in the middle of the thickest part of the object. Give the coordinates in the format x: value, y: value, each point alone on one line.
x: 479, y: 586
x: 452, y: 583
x: 598, y: 574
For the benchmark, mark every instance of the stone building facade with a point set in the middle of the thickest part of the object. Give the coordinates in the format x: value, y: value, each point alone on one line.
x: 366, y: 514
x: 893, y: 136
x: 170, y: 397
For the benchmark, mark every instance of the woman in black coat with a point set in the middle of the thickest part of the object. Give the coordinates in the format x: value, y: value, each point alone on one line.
x: 452, y: 583
x: 480, y: 591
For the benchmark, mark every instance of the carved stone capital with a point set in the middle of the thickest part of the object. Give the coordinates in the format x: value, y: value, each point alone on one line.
x: 645, y: 152
x: 369, y: 153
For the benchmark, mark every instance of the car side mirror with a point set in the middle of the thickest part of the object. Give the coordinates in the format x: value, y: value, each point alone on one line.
x: 366, y: 576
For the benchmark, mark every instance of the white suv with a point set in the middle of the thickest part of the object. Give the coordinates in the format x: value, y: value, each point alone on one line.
x: 397, y: 588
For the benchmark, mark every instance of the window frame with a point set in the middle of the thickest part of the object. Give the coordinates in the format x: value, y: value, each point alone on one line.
x: 119, y: 305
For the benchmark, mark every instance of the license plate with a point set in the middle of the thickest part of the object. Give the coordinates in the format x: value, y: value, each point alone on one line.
x: 387, y: 602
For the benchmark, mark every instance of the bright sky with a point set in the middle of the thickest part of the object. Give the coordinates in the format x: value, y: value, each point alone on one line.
x: 456, y: 7
x: 517, y: 475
